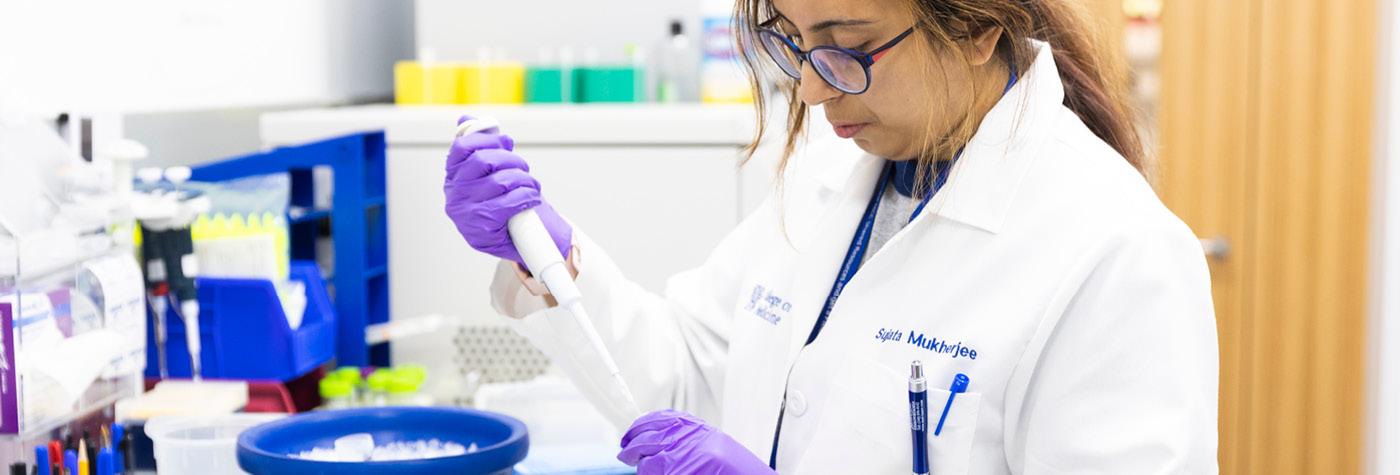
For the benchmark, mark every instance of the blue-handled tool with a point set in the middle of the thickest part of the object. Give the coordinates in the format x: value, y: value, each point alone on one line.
x: 959, y: 385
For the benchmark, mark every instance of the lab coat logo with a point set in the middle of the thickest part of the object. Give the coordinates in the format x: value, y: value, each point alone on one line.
x: 771, y: 308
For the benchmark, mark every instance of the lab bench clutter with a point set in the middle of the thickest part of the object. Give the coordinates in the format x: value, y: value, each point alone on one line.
x: 157, y: 319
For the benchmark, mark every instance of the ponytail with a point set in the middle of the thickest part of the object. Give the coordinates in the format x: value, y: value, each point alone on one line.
x: 1095, y: 78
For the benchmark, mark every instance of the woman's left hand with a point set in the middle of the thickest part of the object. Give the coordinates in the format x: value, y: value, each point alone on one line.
x: 486, y: 183
x: 667, y: 441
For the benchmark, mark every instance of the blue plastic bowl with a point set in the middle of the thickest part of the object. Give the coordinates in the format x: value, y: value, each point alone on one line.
x: 501, y: 440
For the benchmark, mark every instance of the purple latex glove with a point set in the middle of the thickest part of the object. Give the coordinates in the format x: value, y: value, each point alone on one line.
x: 667, y: 441
x: 487, y: 183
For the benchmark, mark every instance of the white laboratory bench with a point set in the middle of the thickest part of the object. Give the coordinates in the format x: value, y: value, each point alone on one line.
x: 656, y: 185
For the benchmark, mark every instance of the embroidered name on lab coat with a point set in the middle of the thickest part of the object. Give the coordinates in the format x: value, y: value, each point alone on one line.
x: 945, y: 347
x: 764, y: 304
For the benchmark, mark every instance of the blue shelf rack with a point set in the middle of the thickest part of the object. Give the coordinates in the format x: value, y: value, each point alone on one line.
x: 357, y: 222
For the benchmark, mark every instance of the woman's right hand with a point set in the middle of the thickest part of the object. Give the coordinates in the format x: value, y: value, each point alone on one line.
x: 487, y: 183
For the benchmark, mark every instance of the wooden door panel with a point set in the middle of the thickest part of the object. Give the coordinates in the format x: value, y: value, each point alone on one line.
x: 1203, y: 175
x: 1266, y: 134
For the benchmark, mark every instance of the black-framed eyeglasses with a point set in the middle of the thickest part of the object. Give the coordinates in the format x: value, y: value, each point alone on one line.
x: 845, y: 69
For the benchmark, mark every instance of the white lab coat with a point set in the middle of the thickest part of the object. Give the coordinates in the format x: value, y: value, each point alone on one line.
x: 1046, y: 270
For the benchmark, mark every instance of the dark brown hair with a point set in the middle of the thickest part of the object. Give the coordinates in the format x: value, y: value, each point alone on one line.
x: 1095, y: 80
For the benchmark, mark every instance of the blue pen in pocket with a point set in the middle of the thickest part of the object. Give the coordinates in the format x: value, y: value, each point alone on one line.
x: 959, y: 385
x: 918, y: 416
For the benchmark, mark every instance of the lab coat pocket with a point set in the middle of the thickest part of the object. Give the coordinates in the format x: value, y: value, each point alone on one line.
x: 951, y: 450
x: 868, y: 423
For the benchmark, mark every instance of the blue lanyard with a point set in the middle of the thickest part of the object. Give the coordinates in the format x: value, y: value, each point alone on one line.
x: 939, y: 179
x: 861, y: 242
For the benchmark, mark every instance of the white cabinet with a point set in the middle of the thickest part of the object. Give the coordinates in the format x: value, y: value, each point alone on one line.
x: 656, y: 186
x: 655, y: 210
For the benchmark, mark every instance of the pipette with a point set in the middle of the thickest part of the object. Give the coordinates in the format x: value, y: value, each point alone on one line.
x: 155, y: 275
x: 183, y: 289
x: 544, y: 260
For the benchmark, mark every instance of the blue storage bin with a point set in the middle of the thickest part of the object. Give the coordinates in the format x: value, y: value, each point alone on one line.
x: 245, y: 334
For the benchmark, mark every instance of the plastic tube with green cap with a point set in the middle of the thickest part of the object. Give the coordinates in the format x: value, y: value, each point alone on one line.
x: 378, y: 383
x: 336, y: 393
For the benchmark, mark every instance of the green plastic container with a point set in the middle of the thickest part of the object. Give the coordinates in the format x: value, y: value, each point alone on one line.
x: 608, y: 84
x: 546, y: 85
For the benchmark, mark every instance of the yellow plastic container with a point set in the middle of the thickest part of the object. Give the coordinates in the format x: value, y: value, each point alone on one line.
x: 434, y: 83
x: 493, y: 83
x: 725, y: 95
x: 408, y: 82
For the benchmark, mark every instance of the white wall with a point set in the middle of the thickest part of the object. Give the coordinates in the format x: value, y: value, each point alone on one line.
x: 1385, y: 290
x: 454, y: 29
x: 160, y: 55
x: 189, y: 78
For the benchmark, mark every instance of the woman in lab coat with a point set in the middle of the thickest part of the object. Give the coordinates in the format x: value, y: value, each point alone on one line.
x: 983, y: 211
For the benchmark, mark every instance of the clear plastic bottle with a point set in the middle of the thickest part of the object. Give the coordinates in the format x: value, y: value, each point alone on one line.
x: 403, y: 390
x: 379, y: 387
x: 678, y: 74
x: 336, y: 394
x: 352, y: 376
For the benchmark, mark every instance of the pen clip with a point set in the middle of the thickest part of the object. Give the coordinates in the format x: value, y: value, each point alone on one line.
x: 959, y: 385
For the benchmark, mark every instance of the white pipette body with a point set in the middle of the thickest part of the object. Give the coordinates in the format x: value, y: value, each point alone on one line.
x: 542, y: 258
